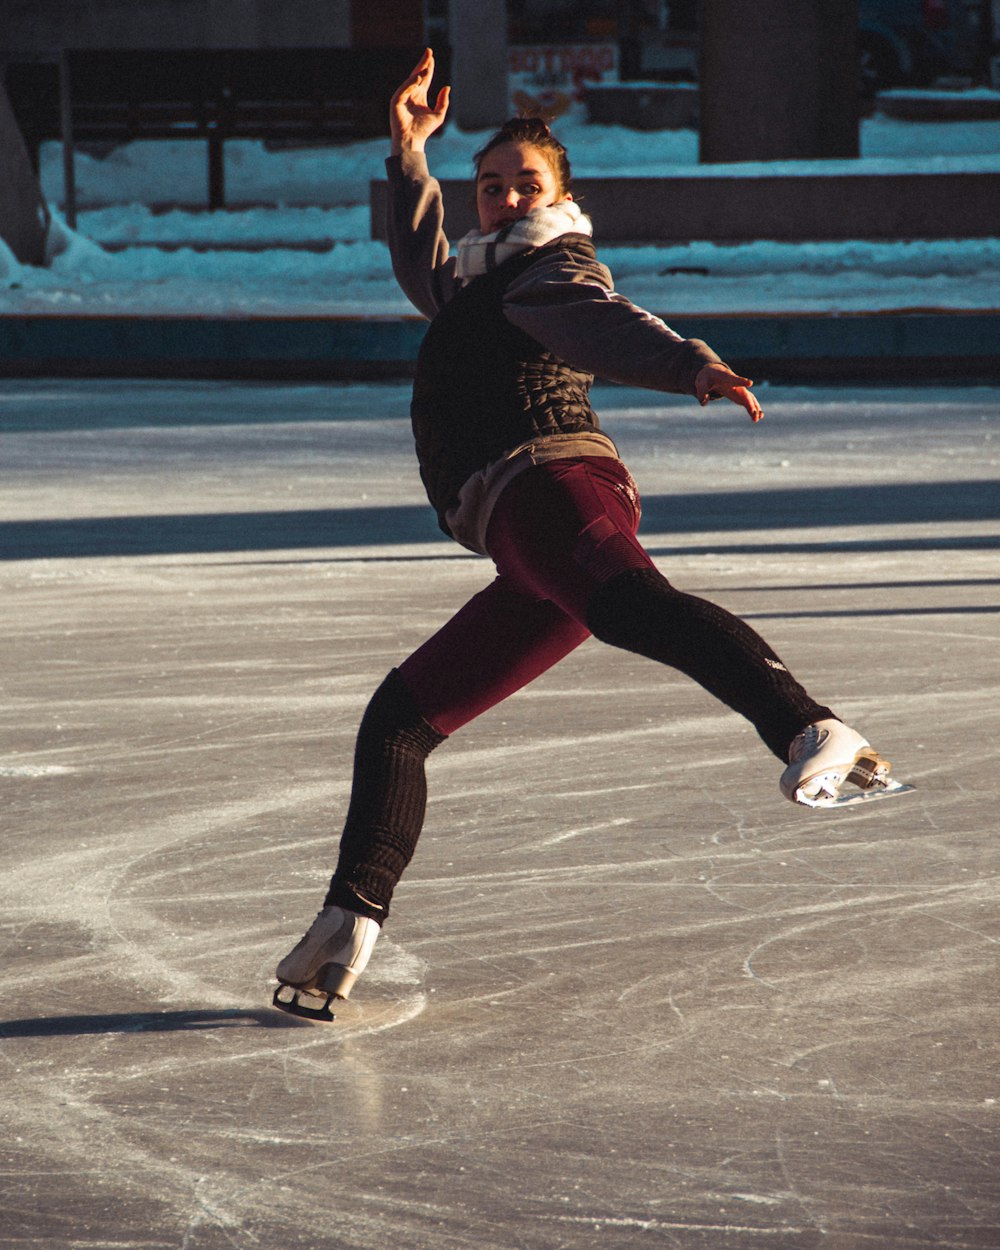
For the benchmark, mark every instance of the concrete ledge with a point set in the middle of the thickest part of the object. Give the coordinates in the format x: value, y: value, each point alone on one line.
x: 874, y: 347
x: 926, y: 105
x: 785, y: 207
x: 209, y: 347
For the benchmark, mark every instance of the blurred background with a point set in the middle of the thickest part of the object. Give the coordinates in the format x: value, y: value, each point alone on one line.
x: 225, y: 157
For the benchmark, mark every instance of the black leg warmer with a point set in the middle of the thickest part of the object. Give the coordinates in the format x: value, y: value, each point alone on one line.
x: 388, y: 800
x: 641, y: 612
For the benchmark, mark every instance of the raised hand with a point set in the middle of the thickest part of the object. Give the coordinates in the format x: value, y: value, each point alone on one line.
x: 412, y: 120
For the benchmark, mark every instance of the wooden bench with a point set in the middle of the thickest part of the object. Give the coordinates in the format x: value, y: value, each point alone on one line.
x: 307, y: 95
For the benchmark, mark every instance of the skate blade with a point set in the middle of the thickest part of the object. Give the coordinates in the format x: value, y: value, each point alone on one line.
x: 315, y: 1007
x: 883, y: 790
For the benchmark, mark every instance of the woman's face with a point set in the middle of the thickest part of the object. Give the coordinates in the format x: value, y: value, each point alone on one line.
x: 513, y: 179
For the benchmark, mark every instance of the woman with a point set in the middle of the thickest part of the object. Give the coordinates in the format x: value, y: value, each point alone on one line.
x: 518, y: 469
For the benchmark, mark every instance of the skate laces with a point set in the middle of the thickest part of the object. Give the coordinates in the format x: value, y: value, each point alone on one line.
x: 806, y: 742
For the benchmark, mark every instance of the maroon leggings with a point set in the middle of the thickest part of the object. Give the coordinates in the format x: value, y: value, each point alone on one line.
x: 558, y: 532
x: 562, y: 537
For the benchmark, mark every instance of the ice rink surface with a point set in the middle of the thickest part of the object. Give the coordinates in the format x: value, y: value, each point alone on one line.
x: 629, y: 996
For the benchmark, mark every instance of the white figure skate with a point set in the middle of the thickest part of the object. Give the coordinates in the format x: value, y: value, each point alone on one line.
x: 828, y: 755
x: 325, y: 963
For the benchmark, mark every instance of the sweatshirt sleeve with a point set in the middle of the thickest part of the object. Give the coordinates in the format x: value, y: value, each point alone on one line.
x: 417, y: 242
x: 570, y: 306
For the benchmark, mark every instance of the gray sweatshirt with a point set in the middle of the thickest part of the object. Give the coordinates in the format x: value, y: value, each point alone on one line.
x: 569, y: 306
x: 571, y: 309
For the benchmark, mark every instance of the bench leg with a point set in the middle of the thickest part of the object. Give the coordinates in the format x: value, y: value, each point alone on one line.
x: 68, y: 152
x: 216, y: 173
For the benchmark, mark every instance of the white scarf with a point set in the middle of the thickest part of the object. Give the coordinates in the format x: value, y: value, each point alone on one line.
x: 479, y: 253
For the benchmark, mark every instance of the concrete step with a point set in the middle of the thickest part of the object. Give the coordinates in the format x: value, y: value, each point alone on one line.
x: 930, y: 344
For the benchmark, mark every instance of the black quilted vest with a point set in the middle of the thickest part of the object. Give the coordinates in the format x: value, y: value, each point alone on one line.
x: 484, y: 387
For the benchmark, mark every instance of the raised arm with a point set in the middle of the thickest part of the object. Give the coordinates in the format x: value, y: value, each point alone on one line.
x: 415, y: 219
x: 412, y: 120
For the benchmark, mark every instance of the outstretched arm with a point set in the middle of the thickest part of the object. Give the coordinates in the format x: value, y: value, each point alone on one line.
x: 412, y: 120
x: 717, y: 381
x: 568, y: 303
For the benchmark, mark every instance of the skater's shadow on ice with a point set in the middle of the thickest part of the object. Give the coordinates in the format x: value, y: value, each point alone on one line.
x: 715, y: 512
x: 146, y: 1022
x: 217, y: 532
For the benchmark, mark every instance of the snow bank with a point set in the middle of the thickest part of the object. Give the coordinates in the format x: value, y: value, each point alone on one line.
x: 312, y: 254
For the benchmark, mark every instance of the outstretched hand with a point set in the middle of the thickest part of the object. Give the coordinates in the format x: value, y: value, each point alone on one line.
x: 717, y: 381
x: 412, y: 120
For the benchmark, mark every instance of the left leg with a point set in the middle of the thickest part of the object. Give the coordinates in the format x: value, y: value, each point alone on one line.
x: 566, y: 530
x: 497, y: 643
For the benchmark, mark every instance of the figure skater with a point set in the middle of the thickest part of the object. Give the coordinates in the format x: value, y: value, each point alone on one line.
x: 518, y: 469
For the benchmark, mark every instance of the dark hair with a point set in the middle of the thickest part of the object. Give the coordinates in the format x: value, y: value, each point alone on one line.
x: 534, y: 131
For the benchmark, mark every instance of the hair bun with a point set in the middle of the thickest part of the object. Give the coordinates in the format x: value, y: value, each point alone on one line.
x: 526, y: 122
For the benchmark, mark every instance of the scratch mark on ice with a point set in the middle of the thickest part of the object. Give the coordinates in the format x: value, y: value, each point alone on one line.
x: 576, y: 833
x: 598, y: 1222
